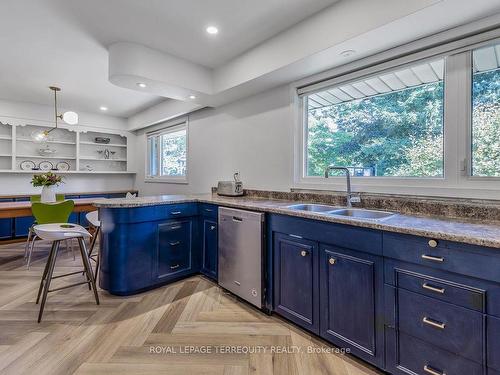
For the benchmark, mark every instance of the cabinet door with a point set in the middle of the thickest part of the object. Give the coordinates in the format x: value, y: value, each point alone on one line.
x: 174, y: 253
x: 210, y: 253
x: 351, y: 301
x: 296, y: 280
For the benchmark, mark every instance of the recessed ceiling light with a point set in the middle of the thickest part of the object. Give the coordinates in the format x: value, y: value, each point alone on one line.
x: 347, y: 53
x: 192, y: 97
x: 141, y: 85
x: 103, y: 108
x: 212, y: 30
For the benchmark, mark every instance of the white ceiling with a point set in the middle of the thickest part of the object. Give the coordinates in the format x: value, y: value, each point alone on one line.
x: 64, y: 42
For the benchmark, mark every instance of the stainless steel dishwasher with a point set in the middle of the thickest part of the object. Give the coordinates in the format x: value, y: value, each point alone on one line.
x: 241, y: 244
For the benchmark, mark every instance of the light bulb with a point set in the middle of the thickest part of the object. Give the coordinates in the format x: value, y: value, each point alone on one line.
x: 70, y: 118
x: 40, y: 136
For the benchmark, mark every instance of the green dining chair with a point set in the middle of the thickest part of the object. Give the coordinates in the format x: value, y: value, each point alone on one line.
x: 48, y: 213
x: 34, y: 199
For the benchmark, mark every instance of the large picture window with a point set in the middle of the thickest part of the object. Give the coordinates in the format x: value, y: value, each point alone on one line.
x: 486, y: 112
x: 167, y: 154
x: 389, y: 125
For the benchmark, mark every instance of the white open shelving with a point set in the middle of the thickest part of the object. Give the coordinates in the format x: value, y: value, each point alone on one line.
x: 77, y: 148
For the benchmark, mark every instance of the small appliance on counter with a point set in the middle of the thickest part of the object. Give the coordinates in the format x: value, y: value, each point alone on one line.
x: 231, y: 188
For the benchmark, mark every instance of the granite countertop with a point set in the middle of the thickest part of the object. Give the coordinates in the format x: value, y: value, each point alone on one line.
x: 475, y: 232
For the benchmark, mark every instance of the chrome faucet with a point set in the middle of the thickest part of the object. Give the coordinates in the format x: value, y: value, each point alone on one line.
x: 350, y: 198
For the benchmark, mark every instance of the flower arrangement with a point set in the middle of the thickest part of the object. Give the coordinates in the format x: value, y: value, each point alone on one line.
x: 46, y: 179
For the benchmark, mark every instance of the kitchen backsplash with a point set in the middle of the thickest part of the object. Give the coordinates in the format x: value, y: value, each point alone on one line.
x: 488, y: 210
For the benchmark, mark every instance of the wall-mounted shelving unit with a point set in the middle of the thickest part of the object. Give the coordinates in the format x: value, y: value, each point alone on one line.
x: 77, y: 148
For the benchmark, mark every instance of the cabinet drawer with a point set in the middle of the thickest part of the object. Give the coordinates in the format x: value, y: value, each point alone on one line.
x: 181, y: 210
x: 417, y: 357
x: 462, y: 295
x: 210, y: 210
x: 449, y: 327
x: 464, y: 259
x: 174, y: 247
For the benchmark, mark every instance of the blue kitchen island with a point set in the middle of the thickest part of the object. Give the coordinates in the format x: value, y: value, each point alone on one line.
x: 149, y: 246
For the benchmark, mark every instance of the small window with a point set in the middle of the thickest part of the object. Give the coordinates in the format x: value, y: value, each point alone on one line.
x: 167, y: 154
x: 486, y: 112
x: 389, y: 125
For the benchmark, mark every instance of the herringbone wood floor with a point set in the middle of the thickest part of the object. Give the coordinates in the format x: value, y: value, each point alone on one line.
x: 117, y: 337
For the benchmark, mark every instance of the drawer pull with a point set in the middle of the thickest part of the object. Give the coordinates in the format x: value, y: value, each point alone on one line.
x: 174, y: 227
x: 208, y: 210
x: 433, y: 258
x: 175, y: 243
x: 174, y: 267
x: 433, y: 288
x: 432, y: 243
x: 433, y: 323
x: 304, y: 253
x: 237, y: 219
x: 176, y: 212
x: 212, y: 227
x: 428, y: 369
x: 295, y: 236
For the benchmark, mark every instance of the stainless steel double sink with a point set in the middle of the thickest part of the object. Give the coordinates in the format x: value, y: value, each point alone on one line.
x: 346, y: 212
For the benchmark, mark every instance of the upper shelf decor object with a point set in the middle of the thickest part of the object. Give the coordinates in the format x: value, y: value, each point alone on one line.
x: 69, y: 117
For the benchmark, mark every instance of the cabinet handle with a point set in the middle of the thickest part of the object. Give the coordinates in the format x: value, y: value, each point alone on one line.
x: 433, y: 288
x: 174, y: 267
x: 433, y: 258
x: 433, y: 323
x: 428, y: 369
x: 295, y: 236
x: 304, y: 253
x: 208, y: 210
x: 433, y: 243
x: 332, y: 261
x: 175, y: 243
x: 175, y: 227
x: 176, y: 212
x: 212, y: 227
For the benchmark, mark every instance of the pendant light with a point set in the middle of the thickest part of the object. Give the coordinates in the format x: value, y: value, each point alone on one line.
x: 69, y: 117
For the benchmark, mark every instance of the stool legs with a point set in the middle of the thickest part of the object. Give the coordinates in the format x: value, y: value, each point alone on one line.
x: 88, y: 267
x: 47, y: 266
x: 50, y: 271
x: 44, y: 288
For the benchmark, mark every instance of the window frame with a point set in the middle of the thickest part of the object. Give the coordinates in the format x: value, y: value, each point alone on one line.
x: 170, y: 128
x: 457, y: 179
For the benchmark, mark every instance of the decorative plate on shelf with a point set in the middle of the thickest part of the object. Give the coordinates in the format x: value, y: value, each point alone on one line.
x: 45, y: 165
x: 27, y: 165
x: 63, y: 166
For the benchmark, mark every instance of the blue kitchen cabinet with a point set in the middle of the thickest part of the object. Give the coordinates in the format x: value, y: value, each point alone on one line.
x: 22, y: 224
x: 296, y: 280
x: 209, y: 247
x: 209, y: 239
x: 174, y: 251
x: 145, y: 247
x: 6, y: 225
x: 351, y: 301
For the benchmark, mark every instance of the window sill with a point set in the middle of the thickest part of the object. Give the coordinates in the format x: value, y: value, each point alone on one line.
x: 180, y: 181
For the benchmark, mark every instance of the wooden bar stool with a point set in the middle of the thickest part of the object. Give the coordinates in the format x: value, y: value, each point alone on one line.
x: 57, y: 233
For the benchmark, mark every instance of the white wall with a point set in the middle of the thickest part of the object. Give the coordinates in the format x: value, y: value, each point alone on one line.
x: 253, y: 136
x: 17, y: 183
